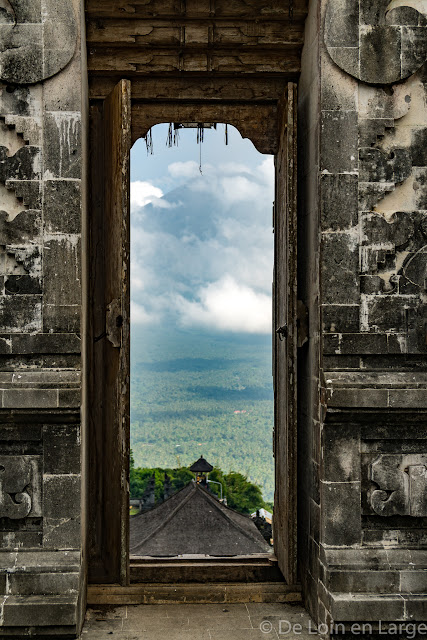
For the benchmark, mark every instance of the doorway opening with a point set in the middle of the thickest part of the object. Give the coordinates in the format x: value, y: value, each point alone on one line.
x: 116, y: 123
x: 201, y: 364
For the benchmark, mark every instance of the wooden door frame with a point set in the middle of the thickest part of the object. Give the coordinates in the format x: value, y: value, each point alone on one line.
x: 256, y: 121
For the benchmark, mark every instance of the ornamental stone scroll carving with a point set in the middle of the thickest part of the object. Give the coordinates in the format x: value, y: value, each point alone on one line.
x: 402, y: 485
x: 377, y: 41
x: 37, y: 39
x: 16, y: 477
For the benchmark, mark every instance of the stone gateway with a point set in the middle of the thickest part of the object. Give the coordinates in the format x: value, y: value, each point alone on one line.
x: 337, y: 90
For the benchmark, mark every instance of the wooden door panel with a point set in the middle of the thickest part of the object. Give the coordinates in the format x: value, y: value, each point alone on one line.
x: 108, y: 353
x: 285, y: 340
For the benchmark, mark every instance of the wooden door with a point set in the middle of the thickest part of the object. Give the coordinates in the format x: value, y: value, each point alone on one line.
x: 109, y: 349
x: 285, y: 340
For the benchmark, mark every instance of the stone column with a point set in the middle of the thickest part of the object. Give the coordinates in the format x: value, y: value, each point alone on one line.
x: 41, y: 74
x: 370, y: 470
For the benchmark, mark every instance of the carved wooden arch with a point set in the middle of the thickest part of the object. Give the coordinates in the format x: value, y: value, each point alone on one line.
x: 257, y: 122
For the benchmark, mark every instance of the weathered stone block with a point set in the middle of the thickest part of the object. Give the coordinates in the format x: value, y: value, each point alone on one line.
x: 413, y: 581
x: 339, y: 153
x: 416, y: 607
x: 370, y: 193
x: 61, y: 318
x: 62, y: 145
x: 27, y: 11
x: 339, y: 209
x: 340, y: 263
x: 22, y: 53
x: 372, y: 13
x: 61, y: 497
x: 29, y: 191
x: 340, y: 514
x: 30, y: 398
x: 338, y: 90
x: 24, y: 165
x: 357, y: 397
x: 414, y: 48
x: 349, y: 607
x: 62, y: 206
x: 419, y: 147
x: 380, y: 50
x: 342, y: 24
x: 408, y: 398
x: 23, y: 285
x: 341, y: 454
x: 385, y: 313
x: 340, y: 318
x: 61, y: 449
x: 69, y: 398
x: 315, y: 520
x: 378, y: 166
x: 62, y: 271
x: 21, y: 539
x: 372, y: 130
x: 25, y: 227
x: 62, y: 532
x: 45, y: 343
x: 20, y: 314
x: 39, y: 611
x: 364, y: 581
x: 29, y: 584
x: 23, y: 260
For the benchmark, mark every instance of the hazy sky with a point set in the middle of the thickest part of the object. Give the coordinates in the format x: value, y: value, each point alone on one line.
x: 202, y: 245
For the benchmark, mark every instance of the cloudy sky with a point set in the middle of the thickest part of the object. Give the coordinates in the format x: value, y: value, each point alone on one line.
x: 202, y: 244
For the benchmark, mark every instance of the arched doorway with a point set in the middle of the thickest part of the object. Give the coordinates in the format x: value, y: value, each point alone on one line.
x: 116, y: 123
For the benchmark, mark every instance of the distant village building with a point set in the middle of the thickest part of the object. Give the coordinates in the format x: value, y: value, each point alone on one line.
x: 200, y: 468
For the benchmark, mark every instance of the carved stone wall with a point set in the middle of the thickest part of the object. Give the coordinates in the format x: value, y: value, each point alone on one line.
x: 372, y: 170
x: 40, y: 309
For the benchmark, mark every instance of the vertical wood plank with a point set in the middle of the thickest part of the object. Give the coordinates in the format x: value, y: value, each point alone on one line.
x: 285, y: 343
x: 117, y: 141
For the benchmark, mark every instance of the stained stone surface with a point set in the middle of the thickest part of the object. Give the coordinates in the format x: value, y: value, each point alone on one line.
x: 375, y: 45
x: 363, y: 179
x: 38, y: 39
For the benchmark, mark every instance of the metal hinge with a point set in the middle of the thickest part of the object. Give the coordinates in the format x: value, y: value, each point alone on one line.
x: 282, y: 332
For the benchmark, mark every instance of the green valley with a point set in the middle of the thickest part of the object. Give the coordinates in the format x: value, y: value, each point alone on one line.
x: 195, y: 393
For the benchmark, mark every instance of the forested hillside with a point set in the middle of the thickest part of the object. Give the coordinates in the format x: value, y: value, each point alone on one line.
x: 195, y: 393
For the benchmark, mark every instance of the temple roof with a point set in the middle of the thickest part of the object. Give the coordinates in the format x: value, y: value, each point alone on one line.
x: 201, y: 466
x: 193, y: 521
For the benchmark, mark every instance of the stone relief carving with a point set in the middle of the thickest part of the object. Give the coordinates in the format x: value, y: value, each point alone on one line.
x: 20, y: 227
x: 377, y: 42
x: 402, y: 485
x: 37, y: 39
x: 16, y: 474
x: 392, y: 179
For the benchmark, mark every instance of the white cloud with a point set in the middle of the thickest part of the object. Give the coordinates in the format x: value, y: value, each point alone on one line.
x: 189, y: 169
x: 140, y: 315
x: 141, y: 193
x: 215, y: 275
x: 229, y: 306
